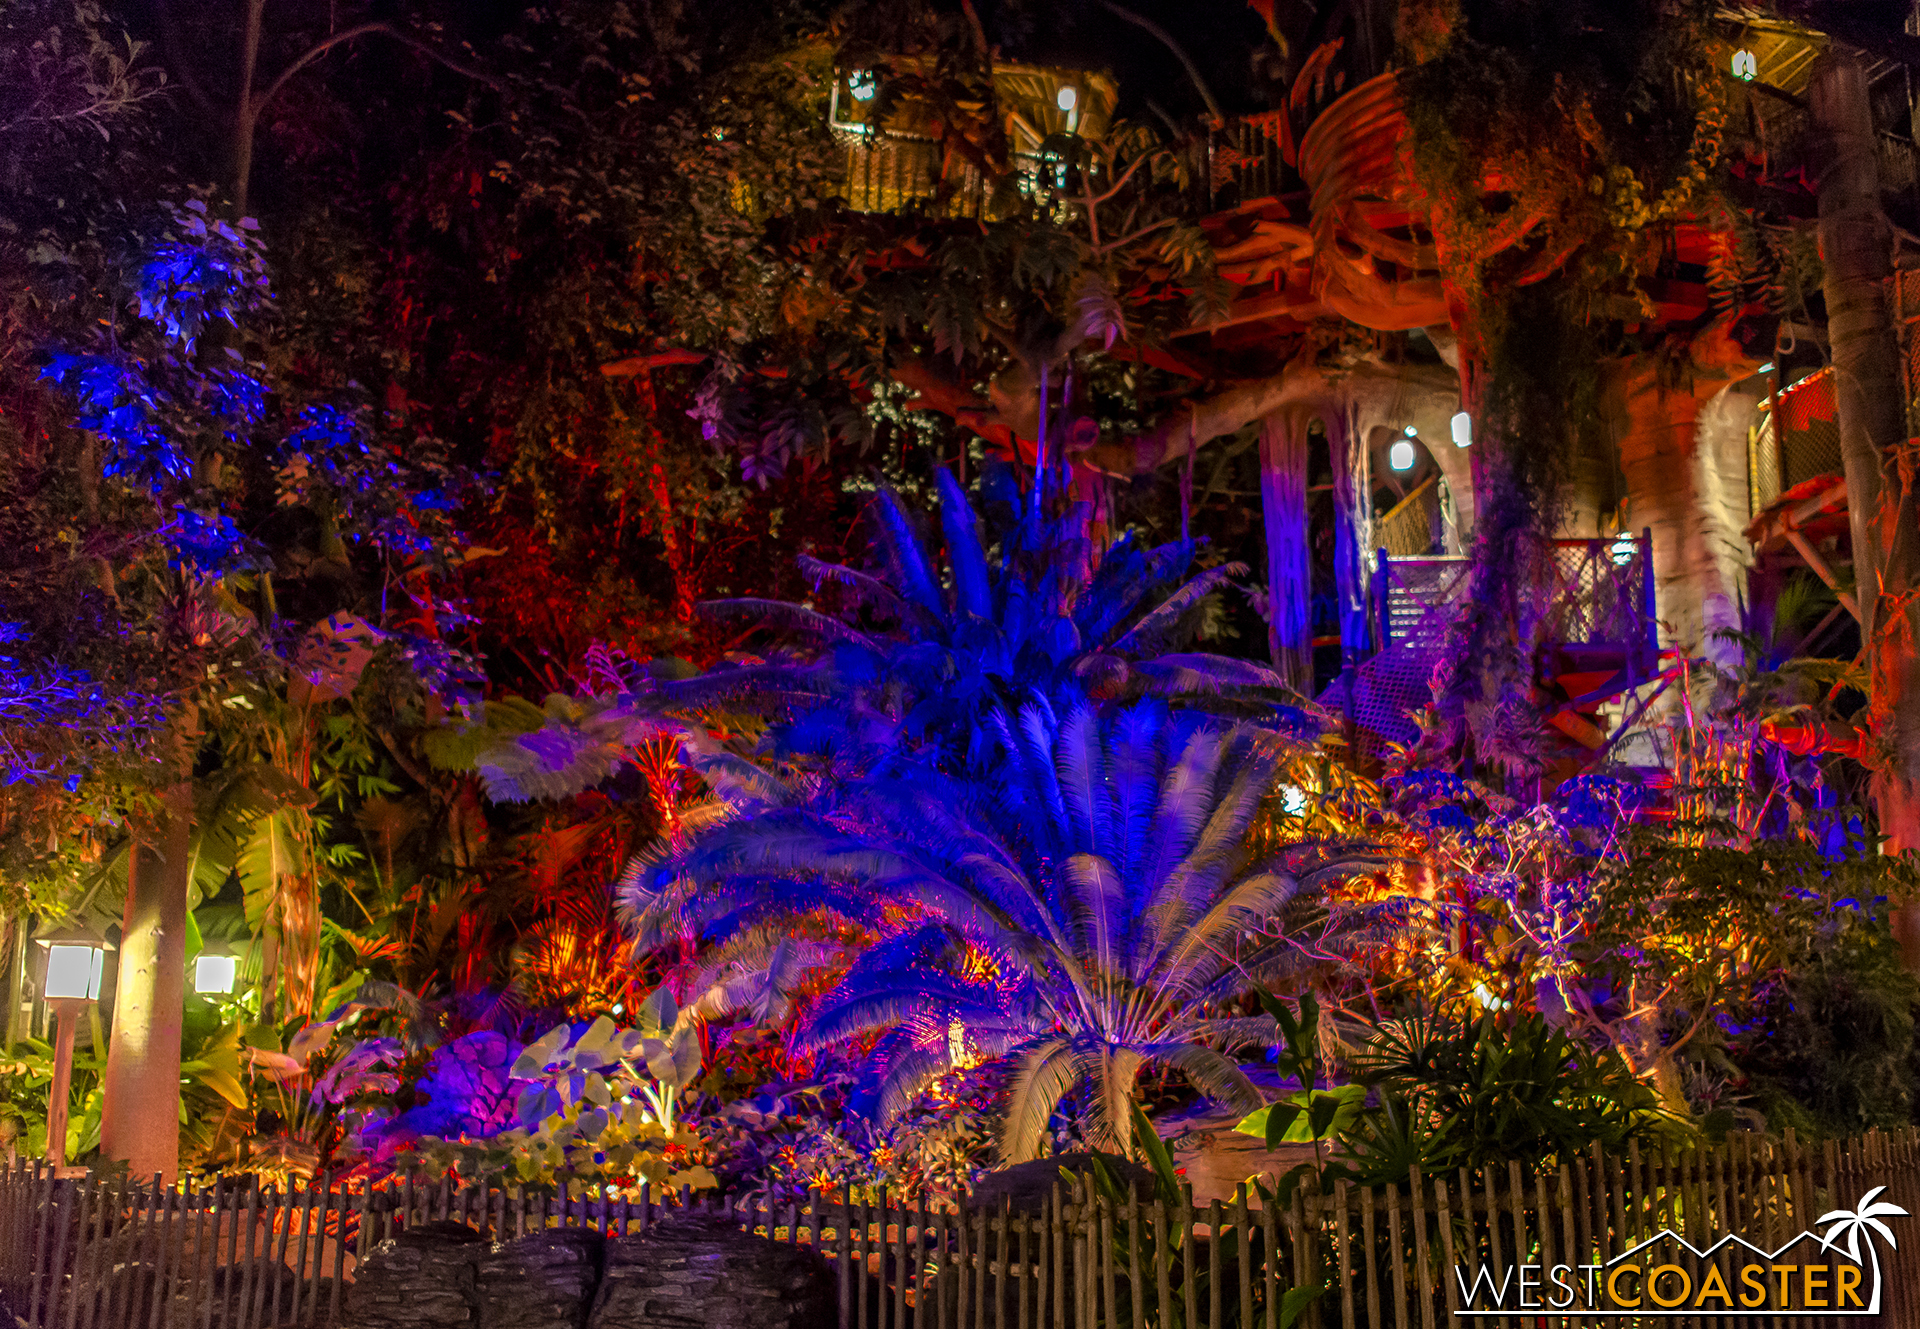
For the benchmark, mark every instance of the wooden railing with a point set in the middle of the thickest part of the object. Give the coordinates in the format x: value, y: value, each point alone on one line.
x: 103, y: 1253
x: 1597, y: 593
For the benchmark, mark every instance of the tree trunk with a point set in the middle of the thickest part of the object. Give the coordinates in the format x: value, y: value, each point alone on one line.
x: 1283, y: 500
x: 18, y: 939
x: 1352, y: 531
x: 140, y: 1091
x: 1855, y: 245
x: 246, y: 113
x: 1663, y: 430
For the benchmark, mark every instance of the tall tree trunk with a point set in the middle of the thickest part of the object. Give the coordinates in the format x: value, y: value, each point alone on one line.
x: 1855, y: 244
x: 140, y: 1092
x: 18, y: 939
x: 1283, y: 500
x: 246, y: 111
x: 1352, y: 528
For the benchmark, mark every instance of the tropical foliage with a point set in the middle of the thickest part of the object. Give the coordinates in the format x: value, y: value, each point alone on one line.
x: 1079, y: 901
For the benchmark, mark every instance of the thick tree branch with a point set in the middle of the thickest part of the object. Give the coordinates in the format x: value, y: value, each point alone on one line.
x: 362, y: 30
x: 633, y: 365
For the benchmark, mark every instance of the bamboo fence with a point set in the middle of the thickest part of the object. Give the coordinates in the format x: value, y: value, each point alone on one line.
x: 102, y: 1252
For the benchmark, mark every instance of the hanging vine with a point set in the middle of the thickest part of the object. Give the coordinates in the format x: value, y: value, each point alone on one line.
x: 1552, y: 142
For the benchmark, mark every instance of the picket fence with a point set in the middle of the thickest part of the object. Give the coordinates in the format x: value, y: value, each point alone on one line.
x: 99, y: 1252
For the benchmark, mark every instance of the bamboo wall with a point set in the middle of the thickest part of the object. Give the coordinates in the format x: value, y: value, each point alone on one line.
x: 99, y: 1253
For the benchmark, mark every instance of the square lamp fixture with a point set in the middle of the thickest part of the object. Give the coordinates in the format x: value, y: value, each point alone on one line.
x: 213, y: 975
x: 75, y: 963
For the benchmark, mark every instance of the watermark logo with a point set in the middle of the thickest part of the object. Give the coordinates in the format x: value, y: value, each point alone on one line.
x: 1834, y: 1271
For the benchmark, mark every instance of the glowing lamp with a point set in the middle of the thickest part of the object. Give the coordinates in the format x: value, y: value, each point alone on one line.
x: 1623, y: 550
x: 1746, y: 66
x: 1766, y: 368
x: 73, y: 973
x: 1462, y: 430
x: 1293, y: 800
x: 862, y: 85
x: 75, y: 961
x: 1067, y: 98
x: 213, y: 975
x: 1400, y: 456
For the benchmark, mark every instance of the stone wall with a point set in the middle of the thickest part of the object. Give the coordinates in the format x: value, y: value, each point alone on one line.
x: 692, y: 1272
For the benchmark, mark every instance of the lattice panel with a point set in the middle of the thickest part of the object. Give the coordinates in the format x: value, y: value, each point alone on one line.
x: 1906, y: 307
x: 1599, y: 595
x: 1803, y: 443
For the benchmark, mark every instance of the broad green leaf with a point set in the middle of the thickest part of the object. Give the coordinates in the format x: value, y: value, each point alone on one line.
x: 660, y: 1012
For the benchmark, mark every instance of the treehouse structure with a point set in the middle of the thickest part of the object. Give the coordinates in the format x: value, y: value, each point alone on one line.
x: 1722, y: 478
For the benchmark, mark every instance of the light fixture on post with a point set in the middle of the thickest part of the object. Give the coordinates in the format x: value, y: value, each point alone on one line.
x: 1068, y: 100
x: 1624, y: 549
x: 862, y: 85
x: 75, y: 962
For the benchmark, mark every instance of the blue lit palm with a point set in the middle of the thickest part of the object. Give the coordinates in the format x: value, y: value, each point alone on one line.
x: 931, y: 651
x: 1079, y: 903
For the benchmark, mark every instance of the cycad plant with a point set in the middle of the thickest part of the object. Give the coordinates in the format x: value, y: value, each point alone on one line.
x: 1076, y: 901
x: 1026, y: 603
x: 937, y: 634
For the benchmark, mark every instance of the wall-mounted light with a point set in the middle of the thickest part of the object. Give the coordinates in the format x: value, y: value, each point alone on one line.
x: 1462, y: 430
x: 1401, y: 456
x: 862, y: 85
x: 1746, y: 66
x: 1412, y: 431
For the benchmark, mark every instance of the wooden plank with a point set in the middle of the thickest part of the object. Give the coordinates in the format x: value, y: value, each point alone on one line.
x: 1492, y: 1207
x: 164, y: 1270
x: 1343, y: 1254
x: 258, y: 1202
x: 206, y: 1242
x: 46, y: 1259
x: 980, y: 1262
x: 1368, y: 1239
x: 1517, y: 1208
x: 1057, y: 1252
x: 1003, y: 1223
x: 1269, y: 1264
x: 846, y: 1258
x: 1214, y: 1220
x: 1243, y: 1243
x: 1448, y: 1257
x: 1189, y: 1280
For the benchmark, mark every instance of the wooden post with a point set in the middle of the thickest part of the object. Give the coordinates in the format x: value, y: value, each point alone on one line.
x: 66, y: 1014
x: 1283, y: 501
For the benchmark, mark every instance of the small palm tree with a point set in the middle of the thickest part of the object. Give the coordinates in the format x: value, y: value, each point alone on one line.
x: 1079, y: 903
x: 1862, y: 1222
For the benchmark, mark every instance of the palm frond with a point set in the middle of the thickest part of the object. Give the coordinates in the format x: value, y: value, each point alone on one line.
x: 1153, y: 631
x: 972, y: 586
x: 1047, y: 1070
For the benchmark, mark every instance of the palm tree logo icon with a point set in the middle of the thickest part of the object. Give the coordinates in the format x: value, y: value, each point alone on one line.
x: 1862, y: 1221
